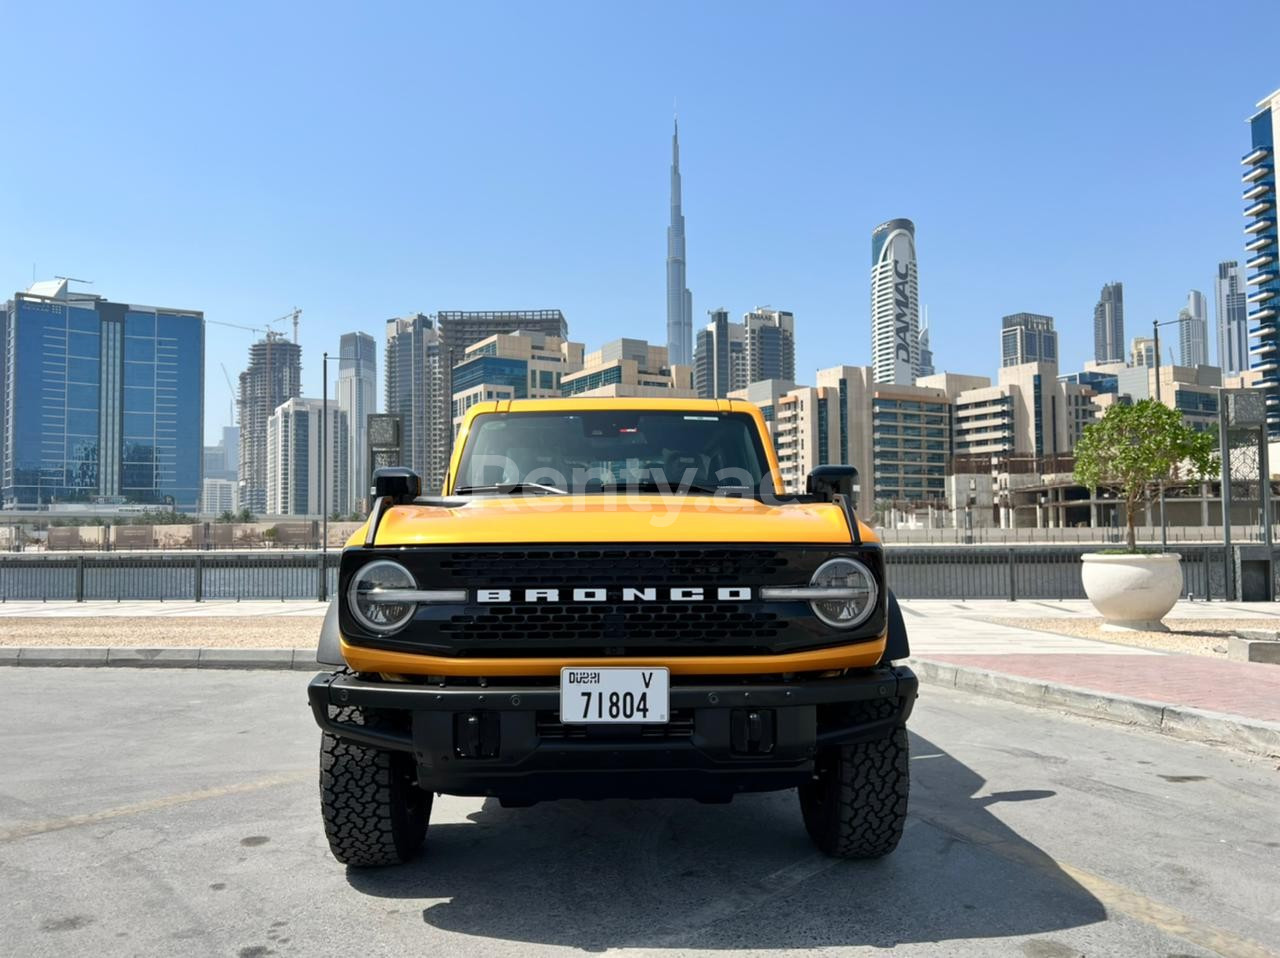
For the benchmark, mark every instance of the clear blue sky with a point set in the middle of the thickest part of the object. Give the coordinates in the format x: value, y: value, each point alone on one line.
x: 365, y: 161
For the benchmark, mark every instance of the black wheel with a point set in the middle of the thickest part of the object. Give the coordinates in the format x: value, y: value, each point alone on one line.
x: 374, y: 813
x: 857, y: 806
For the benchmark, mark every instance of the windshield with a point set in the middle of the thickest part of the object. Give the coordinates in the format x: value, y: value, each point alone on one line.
x: 612, y: 450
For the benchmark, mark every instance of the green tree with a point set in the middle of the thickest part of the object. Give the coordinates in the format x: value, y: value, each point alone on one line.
x: 1135, y: 448
x: 246, y: 515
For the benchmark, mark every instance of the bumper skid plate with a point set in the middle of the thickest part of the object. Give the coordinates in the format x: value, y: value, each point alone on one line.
x: 722, y: 738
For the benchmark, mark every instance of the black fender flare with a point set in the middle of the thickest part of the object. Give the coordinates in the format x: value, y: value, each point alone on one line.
x: 328, y: 651
x: 897, y: 647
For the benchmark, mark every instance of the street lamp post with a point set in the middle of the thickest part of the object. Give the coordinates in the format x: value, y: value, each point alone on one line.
x: 324, y: 479
x: 1155, y: 329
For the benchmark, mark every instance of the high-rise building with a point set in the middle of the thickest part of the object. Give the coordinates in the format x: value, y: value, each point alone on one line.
x: 462, y: 328
x: 512, y: 366
x: 1142, y: 351
x: 679, y: 299
x: 357, y: 395
x: 895, y: 303
x: 274, y: 376
x: 218, y: 496
x: 1263, y: 252
x: 420, y: 355
x: 1108, y: 324
x: 103, y: 401
x: 719, y: 357
x: 1027, y: 338
x: 296, y: 433
x: 415, y: 384
x: 769, y: 337
x: 1233, y: 327
x: 630, y: 368
x: 1193, y: 330
x: 222, y: 461
x: 926, y: 354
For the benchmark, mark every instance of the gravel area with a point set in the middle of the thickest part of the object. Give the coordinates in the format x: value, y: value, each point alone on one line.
x: 1193, y: 636
x: 242, y: 632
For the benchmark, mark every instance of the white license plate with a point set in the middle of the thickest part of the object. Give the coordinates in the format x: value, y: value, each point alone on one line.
x: 599, y: 696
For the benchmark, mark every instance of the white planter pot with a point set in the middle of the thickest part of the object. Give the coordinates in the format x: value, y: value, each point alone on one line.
x: 1133, y: 591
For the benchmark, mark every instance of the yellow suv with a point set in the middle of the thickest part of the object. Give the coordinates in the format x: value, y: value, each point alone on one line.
x: 612, y: 598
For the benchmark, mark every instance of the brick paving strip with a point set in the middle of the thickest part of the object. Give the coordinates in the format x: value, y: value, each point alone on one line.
x: 965, y: 646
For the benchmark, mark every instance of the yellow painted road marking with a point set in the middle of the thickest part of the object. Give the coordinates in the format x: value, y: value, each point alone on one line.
x: 28, y: 829
x: 1112, y: 896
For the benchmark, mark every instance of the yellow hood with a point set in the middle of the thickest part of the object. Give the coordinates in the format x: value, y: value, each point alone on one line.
x: 605, y: 518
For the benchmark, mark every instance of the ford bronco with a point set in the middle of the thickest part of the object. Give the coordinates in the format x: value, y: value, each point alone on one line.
x: 612, y: 598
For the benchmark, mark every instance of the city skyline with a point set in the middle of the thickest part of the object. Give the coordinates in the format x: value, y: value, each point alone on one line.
x: 575, y: 221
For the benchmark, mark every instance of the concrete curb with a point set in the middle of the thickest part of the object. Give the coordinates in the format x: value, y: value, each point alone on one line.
x: 1180, y: 721
x: 1250, y: 735
x: 170, y: 658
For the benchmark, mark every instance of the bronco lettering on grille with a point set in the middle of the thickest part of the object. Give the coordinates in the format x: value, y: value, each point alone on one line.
x: 733, y: 593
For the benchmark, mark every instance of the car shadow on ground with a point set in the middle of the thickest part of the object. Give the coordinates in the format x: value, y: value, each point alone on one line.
x: 597, y: 875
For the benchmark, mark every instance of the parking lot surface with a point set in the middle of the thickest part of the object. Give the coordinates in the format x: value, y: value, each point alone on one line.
x: 175, y: 812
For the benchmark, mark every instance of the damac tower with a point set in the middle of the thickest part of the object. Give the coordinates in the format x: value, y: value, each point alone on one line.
x: 895, y: 303
x: 679, y: 299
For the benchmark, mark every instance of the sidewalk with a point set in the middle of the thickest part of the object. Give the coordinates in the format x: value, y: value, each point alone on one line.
x: 151, y: 608
x: 1186, y: 695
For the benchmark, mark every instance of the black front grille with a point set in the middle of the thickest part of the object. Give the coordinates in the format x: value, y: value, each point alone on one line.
x: 613, y: 627
x: 708, y: 626
x: 605, y: 568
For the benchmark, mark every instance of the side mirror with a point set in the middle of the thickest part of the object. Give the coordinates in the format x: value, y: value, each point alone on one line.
x: 398, y: 482
x: 827, y: 482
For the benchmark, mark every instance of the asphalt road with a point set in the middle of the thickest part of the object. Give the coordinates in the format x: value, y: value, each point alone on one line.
x: 174, y: 812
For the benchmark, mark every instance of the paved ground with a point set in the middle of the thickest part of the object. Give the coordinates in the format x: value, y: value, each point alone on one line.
x: 256, y: 608
x: 254, y: 624
x: 968, y: 634
x: 175, y: 813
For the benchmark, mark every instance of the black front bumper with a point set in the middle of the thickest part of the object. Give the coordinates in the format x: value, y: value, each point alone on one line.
x: 507, y: 740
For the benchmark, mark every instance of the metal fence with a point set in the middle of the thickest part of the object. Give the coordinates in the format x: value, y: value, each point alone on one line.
x: 1045, y: 572
x: 173, y: 576
x: 914, y: 572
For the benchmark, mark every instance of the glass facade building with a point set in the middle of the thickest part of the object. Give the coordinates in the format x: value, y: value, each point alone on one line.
x: 1233, y: 323
x: 357, y: 394
x: 104, y: 402
x: 1262, y: 253
x: 1108, y: 325
x: 1027, y: 338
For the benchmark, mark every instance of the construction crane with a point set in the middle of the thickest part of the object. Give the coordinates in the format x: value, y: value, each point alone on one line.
x: 252, y: 329
x: 292, y: 316
x: 265, y: 328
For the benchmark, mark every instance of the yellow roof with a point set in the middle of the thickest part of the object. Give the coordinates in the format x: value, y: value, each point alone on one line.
x: 617, y: 402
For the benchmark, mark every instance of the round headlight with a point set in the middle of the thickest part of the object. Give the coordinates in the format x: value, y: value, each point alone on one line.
x: 859, y: 585
x: 373, y: 610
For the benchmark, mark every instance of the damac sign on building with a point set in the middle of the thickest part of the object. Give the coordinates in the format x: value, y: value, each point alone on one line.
x: 901, y: 312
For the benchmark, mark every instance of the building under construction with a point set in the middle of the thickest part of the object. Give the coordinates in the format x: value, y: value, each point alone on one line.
x: 274, y: 376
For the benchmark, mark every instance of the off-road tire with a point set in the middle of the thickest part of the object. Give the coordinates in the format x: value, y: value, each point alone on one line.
x: 374, y: 813
x: 857, y: 806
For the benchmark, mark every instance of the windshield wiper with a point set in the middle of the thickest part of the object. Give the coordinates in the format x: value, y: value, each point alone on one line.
x: 507, y: 488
